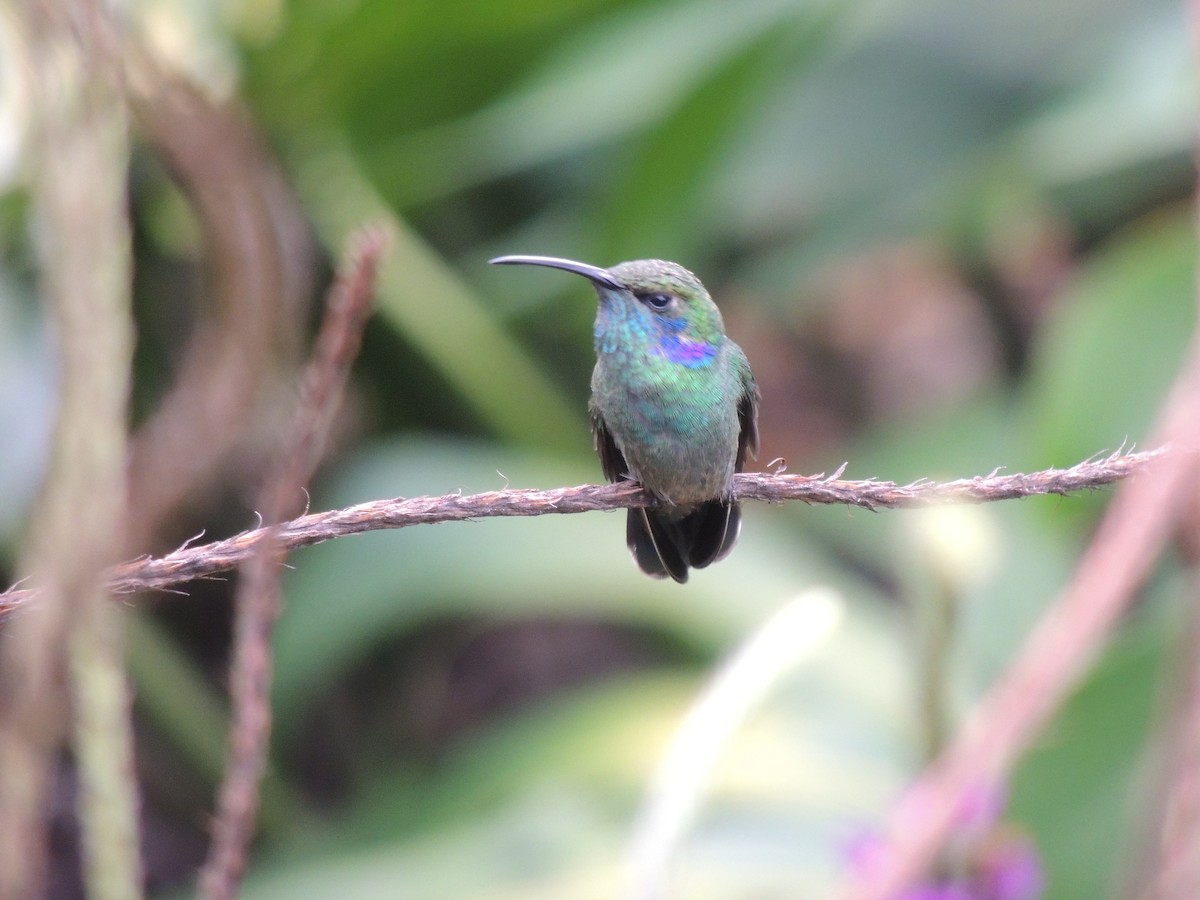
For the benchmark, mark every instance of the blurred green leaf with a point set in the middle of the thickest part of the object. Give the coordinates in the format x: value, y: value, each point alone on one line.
x: 1102, y: 367
x: 424, y: 300
x: 673, y: 168
x: 27, y: 396
x: 1135, y: 111
x: 581, y: 97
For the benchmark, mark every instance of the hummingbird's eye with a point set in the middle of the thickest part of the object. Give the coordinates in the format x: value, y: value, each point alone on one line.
x: 657, y: 300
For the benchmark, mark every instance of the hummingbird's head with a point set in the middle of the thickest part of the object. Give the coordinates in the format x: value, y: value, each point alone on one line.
x: 648, y: 301
x: 672, y: 295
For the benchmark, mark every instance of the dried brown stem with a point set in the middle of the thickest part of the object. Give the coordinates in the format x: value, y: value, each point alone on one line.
x: 207, y: 560
x: 258, y: 597
x: 249, y: 317
x: 1132, y: 533
x: 1174, y: 870
x: 67, y: 657
x: 1170, y: 869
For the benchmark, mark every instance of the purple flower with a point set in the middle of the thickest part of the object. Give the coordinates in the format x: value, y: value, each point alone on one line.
x: 1010, y: 869
x: 937, y: 892
x: 984, y: 861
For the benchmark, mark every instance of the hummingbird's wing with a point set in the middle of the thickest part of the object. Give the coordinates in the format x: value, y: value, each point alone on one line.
x: 612, y: 461
x: 747, y: 418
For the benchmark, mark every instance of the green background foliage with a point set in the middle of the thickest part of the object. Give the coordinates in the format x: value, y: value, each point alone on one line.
x: 951, y: 236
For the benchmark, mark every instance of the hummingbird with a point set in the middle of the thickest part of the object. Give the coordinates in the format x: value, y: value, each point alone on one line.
x: 674, y: 406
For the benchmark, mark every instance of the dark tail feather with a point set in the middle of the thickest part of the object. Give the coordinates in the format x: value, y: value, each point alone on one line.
x: 655, y: 544
x: 664, y: 547
x: 714, y: 530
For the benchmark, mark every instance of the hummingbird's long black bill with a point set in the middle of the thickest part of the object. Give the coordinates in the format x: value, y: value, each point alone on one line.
x: 594, y: 274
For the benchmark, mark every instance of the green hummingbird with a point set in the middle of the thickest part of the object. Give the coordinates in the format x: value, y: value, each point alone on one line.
x: 674, y: 407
